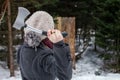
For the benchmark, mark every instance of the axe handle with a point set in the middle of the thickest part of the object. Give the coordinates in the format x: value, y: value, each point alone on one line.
x: 64, y: 34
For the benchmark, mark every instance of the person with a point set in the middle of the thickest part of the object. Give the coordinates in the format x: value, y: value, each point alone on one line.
x: 43, y: 57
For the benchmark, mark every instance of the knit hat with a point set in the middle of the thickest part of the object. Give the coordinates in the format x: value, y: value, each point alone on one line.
x: 40, y: 20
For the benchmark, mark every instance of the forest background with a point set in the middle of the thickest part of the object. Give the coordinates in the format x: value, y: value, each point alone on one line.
x: 100, y: 16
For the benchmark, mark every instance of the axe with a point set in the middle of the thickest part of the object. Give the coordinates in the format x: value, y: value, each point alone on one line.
x: 19, y: 22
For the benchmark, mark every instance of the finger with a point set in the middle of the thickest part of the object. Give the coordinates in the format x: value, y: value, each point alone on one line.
x: 49, y: 33
x: 53, y: 31
x: 51, y: 36
x: 58, y: 33
x: 55, y: 34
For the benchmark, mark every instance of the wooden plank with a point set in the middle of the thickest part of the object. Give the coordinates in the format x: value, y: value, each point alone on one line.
x: 68, y: 24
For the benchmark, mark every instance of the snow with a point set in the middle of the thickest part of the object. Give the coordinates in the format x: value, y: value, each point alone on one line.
x: 87, y: 68
x: 4, y: 75
x: 93, y: 77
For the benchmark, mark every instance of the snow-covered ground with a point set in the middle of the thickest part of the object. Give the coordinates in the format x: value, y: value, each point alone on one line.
x: 87, y: 68
x: 77, y: 74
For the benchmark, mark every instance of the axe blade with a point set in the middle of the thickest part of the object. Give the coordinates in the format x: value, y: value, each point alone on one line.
x: 22, y: 14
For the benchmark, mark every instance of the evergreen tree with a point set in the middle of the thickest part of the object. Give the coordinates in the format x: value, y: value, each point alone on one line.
x: 108, y: 30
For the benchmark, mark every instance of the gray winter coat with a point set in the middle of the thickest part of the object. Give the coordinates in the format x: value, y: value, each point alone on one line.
x: 45, y: 63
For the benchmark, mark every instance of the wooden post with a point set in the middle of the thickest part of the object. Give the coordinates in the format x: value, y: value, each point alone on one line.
x: 68, y: 24
x: 10, y: 39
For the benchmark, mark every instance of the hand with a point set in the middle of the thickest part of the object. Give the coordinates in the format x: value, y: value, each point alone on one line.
x: 54, y: 35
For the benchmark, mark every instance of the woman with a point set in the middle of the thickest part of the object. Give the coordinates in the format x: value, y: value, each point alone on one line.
x: 44, y: 57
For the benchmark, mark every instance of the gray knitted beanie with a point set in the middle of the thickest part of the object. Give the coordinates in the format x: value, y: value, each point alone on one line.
x: 40, y: 20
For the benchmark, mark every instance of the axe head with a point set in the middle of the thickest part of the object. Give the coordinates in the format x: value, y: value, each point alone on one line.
x: 21, y: 16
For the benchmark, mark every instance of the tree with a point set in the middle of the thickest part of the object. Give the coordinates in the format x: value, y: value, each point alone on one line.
x: 10, y: 40
x: 108, y: 30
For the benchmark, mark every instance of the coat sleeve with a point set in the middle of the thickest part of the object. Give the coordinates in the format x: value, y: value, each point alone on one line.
x: 63, y: 59
x: 46, y: 61
x: 49, y: 64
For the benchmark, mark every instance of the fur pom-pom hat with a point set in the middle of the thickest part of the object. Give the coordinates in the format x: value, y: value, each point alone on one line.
x: 40, y: 20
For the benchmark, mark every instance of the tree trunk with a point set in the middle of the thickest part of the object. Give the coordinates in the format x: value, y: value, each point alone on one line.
x: 10, y: 40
